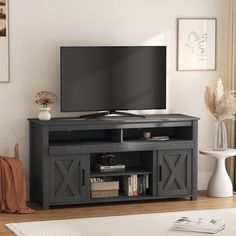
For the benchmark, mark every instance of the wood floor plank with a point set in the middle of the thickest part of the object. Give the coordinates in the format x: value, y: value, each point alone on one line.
x: 203, y: 202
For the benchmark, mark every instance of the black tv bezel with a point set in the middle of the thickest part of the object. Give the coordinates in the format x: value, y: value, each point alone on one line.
x: 101, y: 110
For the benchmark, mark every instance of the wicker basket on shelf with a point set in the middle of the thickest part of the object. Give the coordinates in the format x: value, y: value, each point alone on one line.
x: 105, y: 193
x: 105, y: 189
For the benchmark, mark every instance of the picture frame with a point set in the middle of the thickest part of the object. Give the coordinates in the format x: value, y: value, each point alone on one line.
x: 196, y: 44
x: 4, y: 42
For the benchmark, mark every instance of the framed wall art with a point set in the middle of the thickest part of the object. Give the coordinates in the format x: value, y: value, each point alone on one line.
x: 196, y: 45
x: 4, y: 42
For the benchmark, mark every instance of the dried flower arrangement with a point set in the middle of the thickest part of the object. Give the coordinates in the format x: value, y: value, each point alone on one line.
x: 45, y: 98
x: 221, y: 104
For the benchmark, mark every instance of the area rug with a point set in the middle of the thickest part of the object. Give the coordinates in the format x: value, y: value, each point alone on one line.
x: 156, y: 224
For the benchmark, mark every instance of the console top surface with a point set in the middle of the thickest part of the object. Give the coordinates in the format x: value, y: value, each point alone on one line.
x: 115, y: 119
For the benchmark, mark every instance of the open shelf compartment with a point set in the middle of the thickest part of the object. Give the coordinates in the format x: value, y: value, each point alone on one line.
x: 81, y: 137
x: 134, y: 161
x: 174, y: 133
x: 137, y: 163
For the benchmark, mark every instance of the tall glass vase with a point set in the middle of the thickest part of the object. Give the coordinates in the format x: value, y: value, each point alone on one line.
x: 219, y: 142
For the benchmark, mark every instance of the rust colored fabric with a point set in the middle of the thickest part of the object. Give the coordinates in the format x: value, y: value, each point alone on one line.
x: 12, y: 186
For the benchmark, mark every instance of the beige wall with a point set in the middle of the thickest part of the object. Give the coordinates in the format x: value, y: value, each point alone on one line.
x: 39, y: 28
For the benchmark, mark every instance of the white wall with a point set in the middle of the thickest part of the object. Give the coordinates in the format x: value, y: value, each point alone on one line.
x: 38, y: 28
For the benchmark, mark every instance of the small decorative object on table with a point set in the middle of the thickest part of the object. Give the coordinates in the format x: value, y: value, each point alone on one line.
x: 45, y: 98
x: 222, y: 106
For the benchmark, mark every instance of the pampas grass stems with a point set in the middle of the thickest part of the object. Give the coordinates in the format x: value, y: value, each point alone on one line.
x: 223, y: 107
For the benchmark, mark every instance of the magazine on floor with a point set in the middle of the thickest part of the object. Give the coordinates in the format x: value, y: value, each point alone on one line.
x: 203, y: 225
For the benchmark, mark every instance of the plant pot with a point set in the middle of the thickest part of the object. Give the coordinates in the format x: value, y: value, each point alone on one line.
x: 44, y: 113
x: 219, y: 142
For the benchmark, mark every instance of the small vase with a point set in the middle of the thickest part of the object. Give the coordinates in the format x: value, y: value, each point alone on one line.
x: 219, y: 142
x: 44, y: 113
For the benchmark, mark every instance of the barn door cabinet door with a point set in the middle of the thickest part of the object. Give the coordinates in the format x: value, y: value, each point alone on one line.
x: 69, y: 181
x: 174, y: 172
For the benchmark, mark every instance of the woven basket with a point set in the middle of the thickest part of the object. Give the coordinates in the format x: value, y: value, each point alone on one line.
x: 105, y: 193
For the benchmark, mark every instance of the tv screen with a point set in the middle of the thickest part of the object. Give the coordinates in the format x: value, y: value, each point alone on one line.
x: 113, y: 78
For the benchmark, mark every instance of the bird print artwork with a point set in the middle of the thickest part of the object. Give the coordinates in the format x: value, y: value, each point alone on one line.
x: 197, y: 43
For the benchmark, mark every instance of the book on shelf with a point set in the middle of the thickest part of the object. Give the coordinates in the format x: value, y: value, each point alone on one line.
x: 127, y: 185
x: 103, y: 168
x: 135, y: 185
x: 157, y: 138
x: 134, y: 179
x: 144, y: 184
x: 160, y: 138
x: 203, y: 225
x: 147, y: 182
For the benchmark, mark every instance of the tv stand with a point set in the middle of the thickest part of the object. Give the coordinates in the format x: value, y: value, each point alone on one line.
x: 65, y: 153
x: 105, y: 113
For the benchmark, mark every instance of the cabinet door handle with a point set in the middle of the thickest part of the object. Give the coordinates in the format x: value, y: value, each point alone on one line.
x: 160, y: 173
x: 83, y: 177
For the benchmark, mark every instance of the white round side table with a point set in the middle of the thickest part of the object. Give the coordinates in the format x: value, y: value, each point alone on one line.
x: 220, y: 184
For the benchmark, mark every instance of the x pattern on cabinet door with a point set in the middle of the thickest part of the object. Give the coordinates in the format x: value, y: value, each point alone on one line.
x: 67, y: 178
x: 175, y: 171
x: 174, y: 174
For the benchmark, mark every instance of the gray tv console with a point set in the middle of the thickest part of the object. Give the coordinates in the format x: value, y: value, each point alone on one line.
x: 63, y: 152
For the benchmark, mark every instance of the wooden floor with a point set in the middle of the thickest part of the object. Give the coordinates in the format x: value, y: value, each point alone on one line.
x: 203, y: 202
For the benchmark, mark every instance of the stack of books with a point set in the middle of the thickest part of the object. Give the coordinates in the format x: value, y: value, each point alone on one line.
x: 202, y: 225
x: 136, y: 185
x: 157, y: 138
x: 160, y: 138
x: 111, y: 168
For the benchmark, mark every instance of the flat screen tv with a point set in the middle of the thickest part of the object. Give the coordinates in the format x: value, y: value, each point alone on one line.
x: 113, y: 78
